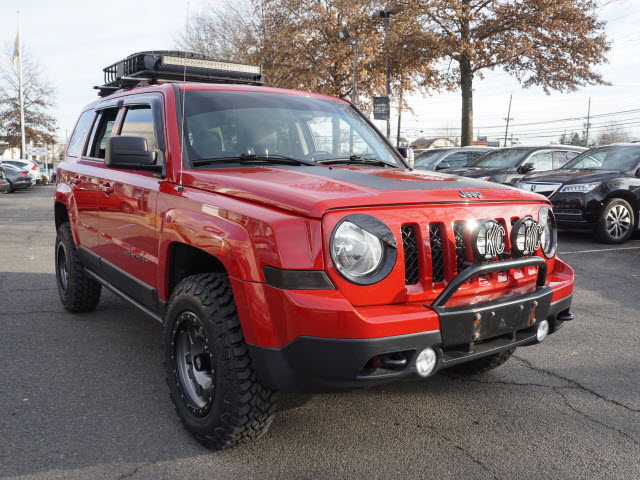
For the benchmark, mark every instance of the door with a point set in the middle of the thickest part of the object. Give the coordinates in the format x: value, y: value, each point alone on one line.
x: 127, y: 208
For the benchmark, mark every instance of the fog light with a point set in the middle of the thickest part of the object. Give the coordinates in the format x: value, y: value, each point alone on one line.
x: 543, y: 330
x: 426, y: 362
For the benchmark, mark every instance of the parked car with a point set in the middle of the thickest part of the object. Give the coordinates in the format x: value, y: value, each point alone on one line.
x: 281, y: 253
x: 5, y: 186
x: 448, y: 158
x: 508, y: 165
x: 17, y: 177
x: 598, y: 190
x: 29, y: 165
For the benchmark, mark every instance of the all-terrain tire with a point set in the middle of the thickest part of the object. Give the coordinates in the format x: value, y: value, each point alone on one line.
x: 615, y: 210
x: 78, y: 292
x: 483, y: 364
x: 230, y: 405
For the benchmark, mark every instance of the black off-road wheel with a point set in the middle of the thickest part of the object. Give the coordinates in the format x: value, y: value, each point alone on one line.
x: 483, y: 364
x: 211, y: 380
x: 616, y: 222
x: 78, y: 292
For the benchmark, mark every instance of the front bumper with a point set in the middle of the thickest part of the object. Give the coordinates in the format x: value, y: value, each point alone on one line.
x: 576, y: 211
x: 313, y: 363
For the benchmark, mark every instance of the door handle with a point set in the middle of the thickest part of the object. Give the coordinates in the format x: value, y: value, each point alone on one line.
x: 106, y: 189
x: 75, y: 181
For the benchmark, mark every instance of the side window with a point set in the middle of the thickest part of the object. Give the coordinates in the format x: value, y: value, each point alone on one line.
x: 456, y: 160
x: 562, y: 157
x: 102, y: 129
x: 79, y: 134
x: 138, y: 122
x: 542, y: 161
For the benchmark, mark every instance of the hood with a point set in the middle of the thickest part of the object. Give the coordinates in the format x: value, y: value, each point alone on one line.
x: 311, y: 191
x: 479, y: 172
x: 578, y: 175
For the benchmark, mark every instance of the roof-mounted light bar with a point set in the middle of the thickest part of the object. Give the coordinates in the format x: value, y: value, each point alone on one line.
x: 173, y: 66
x: 211, y: 64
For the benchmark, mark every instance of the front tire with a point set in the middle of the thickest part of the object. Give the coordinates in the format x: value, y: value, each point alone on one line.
x: 616, y: 222
x: 78, y: 292
x: 212, y: 383
x: 484, y: 364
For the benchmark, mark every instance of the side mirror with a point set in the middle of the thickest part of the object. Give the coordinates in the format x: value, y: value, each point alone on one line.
x: 130, y: 153
x: 407, y: 152
x: 527, y: 167
x: 442, y: 166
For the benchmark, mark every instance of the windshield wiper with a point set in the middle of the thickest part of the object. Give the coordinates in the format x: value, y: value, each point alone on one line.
x: 250, y: 157
x: 357, y: 159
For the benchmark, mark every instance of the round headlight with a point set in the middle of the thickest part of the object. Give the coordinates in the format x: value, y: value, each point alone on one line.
x: 525, y: 237
x: 487, y: 240
x: 363, y: 249
x: 549, y: 235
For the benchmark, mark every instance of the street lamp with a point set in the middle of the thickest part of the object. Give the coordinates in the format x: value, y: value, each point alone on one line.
x: 386, y: 13
x: 344, y: 35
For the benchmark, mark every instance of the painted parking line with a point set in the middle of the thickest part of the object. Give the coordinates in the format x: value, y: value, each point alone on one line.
x: 599, y: 250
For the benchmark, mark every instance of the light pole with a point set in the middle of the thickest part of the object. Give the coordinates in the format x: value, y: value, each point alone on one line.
x: 386, y: 13
x: 344, y: 35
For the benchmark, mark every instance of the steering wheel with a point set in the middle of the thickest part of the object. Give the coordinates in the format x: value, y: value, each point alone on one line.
x: 318, y: 155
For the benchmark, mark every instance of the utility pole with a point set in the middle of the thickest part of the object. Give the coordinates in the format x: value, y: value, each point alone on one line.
x: 355, y: 70
x: 506, y: 130
x: 586, y: 141
x: 399, y: 118
x: 386, y: 13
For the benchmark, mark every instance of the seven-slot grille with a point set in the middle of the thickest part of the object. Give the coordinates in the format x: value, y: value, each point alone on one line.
x: 438, y: 232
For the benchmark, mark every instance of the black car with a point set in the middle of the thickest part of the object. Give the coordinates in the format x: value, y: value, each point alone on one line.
x: 5, y: 186
x: 17, y: 177
x: 598, y: 190
x: 450, y: 157
x: 508, y: 165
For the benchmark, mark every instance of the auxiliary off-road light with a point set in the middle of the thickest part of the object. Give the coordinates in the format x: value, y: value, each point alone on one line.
x: 426, y: 362
x: 543, y: 330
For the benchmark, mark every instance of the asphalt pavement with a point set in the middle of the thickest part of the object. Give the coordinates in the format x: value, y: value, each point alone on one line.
x: 84, y: 396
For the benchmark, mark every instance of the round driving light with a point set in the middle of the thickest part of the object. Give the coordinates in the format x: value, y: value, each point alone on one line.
x: 525, y: 237
x: 549, y: 233
x: 487, y: 240
x: 543, y: 330
x: 426, y: 362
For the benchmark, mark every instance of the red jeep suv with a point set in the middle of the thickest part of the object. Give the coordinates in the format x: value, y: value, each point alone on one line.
x: 285, y: 244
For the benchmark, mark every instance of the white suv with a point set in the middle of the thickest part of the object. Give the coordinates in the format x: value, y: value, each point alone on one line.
x: 29, y: 165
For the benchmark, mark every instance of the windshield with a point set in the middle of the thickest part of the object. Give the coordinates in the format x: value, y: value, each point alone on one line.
x: 619, y: 158
x: 501, y: 158
x: 429, y: 158
x: 224, y: 124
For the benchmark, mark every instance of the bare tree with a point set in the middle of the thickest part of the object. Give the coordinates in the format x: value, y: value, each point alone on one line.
x: 39, y: 98
x: 613, y: 133
x: 450, y: 132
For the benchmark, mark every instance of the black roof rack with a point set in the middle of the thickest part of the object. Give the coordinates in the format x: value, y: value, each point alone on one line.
x: 164, y: 66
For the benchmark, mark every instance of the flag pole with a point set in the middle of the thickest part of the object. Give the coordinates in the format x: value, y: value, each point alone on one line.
x: 23, y: 151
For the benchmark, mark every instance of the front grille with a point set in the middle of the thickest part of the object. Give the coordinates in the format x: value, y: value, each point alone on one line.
x: 437, y: 253
x: 461, y: 246
x: 411, y: 263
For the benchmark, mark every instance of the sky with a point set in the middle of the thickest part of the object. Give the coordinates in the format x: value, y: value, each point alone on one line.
x: 73, y: 40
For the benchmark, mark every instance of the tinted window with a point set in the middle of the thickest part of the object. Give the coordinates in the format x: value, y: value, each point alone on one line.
x: 607, y: 158
x: 456, y: 160
x: 542, y: 161
x: 102, y: 128
x: 79, y: 134
x: 138, y: 122
x: 501, y: 158
x: 429, y: 158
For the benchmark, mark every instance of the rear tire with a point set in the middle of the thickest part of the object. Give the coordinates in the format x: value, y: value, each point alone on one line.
x: 616, y: 222
x: 483, y: 364
x: 213, y: 385
x: 78, y: 292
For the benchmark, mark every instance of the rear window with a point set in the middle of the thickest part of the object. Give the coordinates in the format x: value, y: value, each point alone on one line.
x: 79, y: 134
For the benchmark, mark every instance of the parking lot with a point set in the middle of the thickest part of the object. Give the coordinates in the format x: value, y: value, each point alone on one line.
x: 84, y: 396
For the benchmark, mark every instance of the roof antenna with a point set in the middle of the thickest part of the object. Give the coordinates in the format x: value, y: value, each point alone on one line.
x: 184, y: 91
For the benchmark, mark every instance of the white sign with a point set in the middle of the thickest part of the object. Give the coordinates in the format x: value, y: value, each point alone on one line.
x: 37, y: 151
